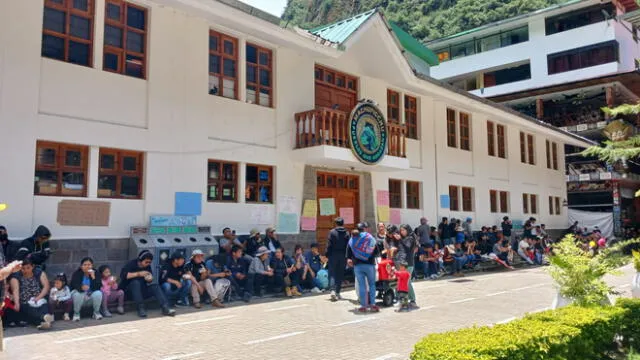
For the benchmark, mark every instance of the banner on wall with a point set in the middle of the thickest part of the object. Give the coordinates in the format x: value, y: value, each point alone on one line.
x: 590, y: 219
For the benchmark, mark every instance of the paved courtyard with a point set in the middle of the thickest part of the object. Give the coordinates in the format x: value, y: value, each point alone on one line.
x: 310, y: 327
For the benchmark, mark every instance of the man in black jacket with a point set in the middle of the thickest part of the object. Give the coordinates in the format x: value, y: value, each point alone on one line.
x: 36, y: 247
x: 337, y: 254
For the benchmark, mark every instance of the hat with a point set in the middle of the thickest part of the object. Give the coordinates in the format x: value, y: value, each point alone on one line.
x: 314, y: 245
x: 261, y: 251
x: 254, y: 232
x: 177, y: 255
x: 469, y: 219
x: 196, y: 252
x: 270, y: 229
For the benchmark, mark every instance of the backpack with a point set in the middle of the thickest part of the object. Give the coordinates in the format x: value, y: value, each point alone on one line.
x: 363, y: 246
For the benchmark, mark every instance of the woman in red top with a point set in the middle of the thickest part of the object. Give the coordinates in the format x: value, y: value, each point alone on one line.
x: 402, y: 275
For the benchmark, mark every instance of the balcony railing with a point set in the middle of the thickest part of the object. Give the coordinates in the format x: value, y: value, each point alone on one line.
x: 324, y: 126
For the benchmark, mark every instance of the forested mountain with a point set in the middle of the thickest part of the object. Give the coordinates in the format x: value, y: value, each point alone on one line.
x: 424, y: 19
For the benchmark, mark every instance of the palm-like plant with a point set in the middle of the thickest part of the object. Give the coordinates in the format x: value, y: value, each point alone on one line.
x: 580, y: 275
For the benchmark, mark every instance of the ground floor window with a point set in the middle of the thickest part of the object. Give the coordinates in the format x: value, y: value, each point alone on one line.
x: 61, y: 169
x: 259, y: 183
x: 222, y: 181
x: 120, y: 174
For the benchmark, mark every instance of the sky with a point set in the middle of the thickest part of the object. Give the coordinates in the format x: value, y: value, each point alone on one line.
x: 275, y: 7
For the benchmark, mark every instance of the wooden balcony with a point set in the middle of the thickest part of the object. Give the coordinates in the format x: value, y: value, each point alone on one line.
x: 324, y: 126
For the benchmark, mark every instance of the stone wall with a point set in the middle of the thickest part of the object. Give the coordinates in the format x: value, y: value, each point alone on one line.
x: 67, y: 254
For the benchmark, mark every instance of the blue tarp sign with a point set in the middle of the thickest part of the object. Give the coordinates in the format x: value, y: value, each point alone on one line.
x: 188, y: 203
x: 444, y: 202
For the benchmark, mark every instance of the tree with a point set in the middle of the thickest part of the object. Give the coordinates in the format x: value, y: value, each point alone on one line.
x: 619, y: 147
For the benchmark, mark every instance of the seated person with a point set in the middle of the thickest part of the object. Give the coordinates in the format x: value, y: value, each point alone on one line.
x: 136, y: 279
x: 220, y: 278
x: 523, y: 250
x: 284, y: 269
x: 430, y: 262
x: 316, y: 263
x: 238, y: 265
x: 175, y: 282
x: 254, y: 242
x: 29, y: 288
x: 201, y: 282
x: 229, y: 240
x: 259, y: 273
x: 303, y: 271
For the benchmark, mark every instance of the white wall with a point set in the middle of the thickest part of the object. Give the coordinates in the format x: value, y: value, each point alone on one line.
x: 171, y: 118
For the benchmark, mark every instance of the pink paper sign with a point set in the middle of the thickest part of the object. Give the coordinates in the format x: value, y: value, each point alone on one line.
x: 382, y: 198
x: 347, y: 215
x: 395, y: 216
x: 308, y: 224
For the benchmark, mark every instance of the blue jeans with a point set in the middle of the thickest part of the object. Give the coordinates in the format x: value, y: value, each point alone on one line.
x: 366, y: 274
x: 431, y: 268
x: 173, y: 293
x: 460, y: 262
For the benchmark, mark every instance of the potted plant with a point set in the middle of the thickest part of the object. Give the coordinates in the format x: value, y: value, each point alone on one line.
x: 579, y: 275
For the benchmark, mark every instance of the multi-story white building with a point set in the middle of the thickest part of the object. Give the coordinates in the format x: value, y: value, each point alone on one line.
x: 564, y: 43
x: 130, y: 102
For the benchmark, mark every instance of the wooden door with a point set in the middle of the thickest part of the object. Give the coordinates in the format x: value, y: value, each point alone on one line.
x: 335, y: 89
x: 344, y: 189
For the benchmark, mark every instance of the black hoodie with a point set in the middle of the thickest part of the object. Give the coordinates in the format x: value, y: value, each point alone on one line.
x: 28, y: 247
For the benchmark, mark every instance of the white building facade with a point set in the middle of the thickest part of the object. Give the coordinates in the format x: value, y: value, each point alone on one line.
x: 202, y: 97
x: 576, y: 40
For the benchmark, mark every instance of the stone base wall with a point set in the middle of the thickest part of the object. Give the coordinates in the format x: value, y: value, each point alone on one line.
x: 67, y: 254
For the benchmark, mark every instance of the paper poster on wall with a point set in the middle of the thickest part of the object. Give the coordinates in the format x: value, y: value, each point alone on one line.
x: 395, y: 216
x: 382, y: 198
x: 287, y: 223
x: 288, y: 204
x: 308, y: 223
x: 444, y: 202
x: 327, y: 207
x: 188, y: 203
x: 310, y: 209
x: 83, y: 213
x: 383, y: 214
x: 261, y: 215
x: 170, y: 220
x: 347, y: 215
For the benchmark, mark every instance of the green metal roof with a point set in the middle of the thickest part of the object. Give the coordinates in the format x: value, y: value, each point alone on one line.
x: 414, y: 46
x: 340, y: 31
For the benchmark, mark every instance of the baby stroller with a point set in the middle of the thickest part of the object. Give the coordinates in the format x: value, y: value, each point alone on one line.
x: 385, y: 282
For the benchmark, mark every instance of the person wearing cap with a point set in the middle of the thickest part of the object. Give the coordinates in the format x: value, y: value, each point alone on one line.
x: 254, y: 242
x: 136, y: 279
x: 271, y: 240
x: 201, y: 282
x: 175, y: 282
x: 337, y: 253
x: 259, y: 273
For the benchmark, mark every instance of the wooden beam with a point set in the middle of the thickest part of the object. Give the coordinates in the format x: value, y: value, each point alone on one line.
x: 539, y: 109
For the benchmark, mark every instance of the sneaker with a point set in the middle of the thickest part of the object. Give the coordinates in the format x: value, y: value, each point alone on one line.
x: 413, y: 305
x: 374, y: 308
x: 362, y: 309
x: 97, y: 316
x: 181, y: 303
x: 339, y: 297
x: 44, y: 326
x: 120, y: 310
x: 142, y: 312
x: 217, y: 303
x: 315, y: 290
x: 288, y: 292
x: 295, y: 291
x: 197, y: 305
x: 66, y: 317
x: 168, y: 312
x: 76, y: 317
x: 334, y: 297
x: 106, y: 313
x: 24, y: 323
x: 49, y: 318
x: 246, y: 298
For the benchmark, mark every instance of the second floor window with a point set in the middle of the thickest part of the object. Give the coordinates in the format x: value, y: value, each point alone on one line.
x: 223, y: 65
x: 411, y: 116
x: 527, y: 149
x: 393, y: 106
x: 125, y: 39
x: 463, y: 137
x: 67, y: 31
x: 552, y: 155
x: 120, y: 174
x: 259, y: 75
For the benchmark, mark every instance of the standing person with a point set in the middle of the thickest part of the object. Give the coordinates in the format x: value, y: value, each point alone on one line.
x: 445, y: 232
x: 507, y: 227
x: 403, y: 277
x: 36, y: 247
x: 174, y: 280
x: 336, y: 252
x: 136, y: 280
x: 110, y: 292
x: 407, y: 248
x: 423, y: 232
x: 85, y: 289
x: 466, y: 227
x: 381, y: 236
x: 362, y: 252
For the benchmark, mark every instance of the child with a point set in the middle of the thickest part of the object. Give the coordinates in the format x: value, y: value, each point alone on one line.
x: 110, y: 291
x: 60, y: 297
x: 403, y: 285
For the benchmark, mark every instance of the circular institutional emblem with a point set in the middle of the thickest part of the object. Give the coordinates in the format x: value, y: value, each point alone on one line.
x: 368, y: 133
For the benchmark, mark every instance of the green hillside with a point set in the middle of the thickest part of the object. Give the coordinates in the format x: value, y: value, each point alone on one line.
x: 424, y: 19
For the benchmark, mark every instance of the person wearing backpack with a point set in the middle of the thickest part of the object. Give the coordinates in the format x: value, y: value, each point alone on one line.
x: 362, y: 252
x: 336, y: 252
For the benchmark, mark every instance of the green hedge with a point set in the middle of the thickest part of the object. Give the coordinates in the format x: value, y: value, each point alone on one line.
x: 565, y: 334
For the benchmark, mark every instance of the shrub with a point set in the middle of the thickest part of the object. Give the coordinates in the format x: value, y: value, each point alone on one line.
x: 630, y: 329
x: 565, y: 334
